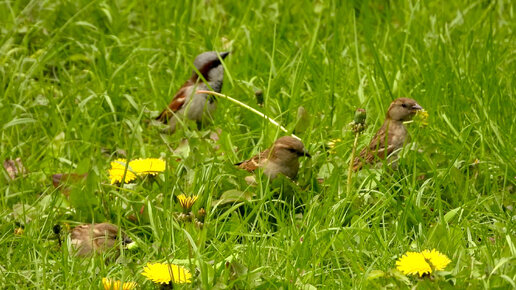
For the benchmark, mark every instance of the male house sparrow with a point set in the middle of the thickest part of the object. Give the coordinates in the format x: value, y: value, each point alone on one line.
x: 187, y: 102
x: 98, y: 238
x: 282, y: 157
x: 392, y: 134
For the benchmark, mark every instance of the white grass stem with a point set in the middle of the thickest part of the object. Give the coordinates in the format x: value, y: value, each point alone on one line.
x: 248, y: 108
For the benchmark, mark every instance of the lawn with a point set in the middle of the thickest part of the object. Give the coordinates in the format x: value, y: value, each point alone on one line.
x: 81, y: 82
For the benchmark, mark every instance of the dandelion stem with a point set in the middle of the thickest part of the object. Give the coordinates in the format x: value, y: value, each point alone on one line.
x: 350, y: 168
x: 248, y: 108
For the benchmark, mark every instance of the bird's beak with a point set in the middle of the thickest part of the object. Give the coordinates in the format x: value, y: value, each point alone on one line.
x: 224, y: 54
x: 417, y: 107
x: 305, y: 153
x: 126, y: 241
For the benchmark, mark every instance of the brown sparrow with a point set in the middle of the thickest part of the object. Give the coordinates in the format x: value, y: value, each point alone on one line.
x: 187, y: 103
x: 90, y: 238
x: 282, y: 158
x: 392, y: 135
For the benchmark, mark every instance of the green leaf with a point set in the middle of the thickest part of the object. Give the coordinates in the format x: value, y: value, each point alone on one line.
x: 232, y: 196
x: 24, y: 213
x: 451, y: 214
x: 19, y: 121
x: 375, y: 274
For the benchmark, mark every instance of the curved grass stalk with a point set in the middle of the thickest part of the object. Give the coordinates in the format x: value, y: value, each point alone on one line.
x: 248, y: 108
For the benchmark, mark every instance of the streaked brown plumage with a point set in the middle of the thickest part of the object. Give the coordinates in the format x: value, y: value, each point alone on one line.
x: 186, y: 102
x: 89, y: 238
x: 392, y: 135
x: 282, y: 157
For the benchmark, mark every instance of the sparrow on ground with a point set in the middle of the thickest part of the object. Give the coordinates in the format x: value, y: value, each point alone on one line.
x: 90, y: 238
x: 282, y: 157
x: 392, y: 135
x: 187, y: 103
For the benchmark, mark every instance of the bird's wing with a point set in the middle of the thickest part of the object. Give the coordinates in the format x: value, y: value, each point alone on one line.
x: 81, y: 239
x: 177, y: 103
x: 375, y: 151
x: 255, y: 162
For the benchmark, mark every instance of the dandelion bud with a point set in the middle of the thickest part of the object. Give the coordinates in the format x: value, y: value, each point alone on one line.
x: 360, y: 116
x: 201, y: 214
x: 56, y: 229
x: 184, y: 217
x: 358, y: 125
x: 198, y: 223
x: 259, y: 97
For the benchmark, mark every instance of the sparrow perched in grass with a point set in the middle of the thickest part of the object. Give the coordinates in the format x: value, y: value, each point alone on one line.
x: 282, y: 157
x: 90, y: 238
x: 187, y: 103
x: 392, y: 135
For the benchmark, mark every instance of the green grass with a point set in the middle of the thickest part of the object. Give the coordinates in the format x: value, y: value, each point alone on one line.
x: 79, y: 79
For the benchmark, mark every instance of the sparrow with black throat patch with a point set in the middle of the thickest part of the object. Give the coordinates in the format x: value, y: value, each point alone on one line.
x: 96, y: 238
x: 187, y: 103
x: 392, y: 135
x: 281, y: 158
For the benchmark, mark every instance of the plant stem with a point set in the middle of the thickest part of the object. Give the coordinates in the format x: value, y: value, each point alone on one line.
x: 350, y: 168
x: 248, y: 108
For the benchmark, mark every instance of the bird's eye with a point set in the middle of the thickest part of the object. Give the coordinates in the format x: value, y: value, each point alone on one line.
x: 404, y: 105
x: 115, y: 237
x: 292, y: 150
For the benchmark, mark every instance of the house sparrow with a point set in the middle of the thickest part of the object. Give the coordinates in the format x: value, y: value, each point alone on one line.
x: 187, y: 102
x: 392, y: 131
x: 90, y: 238
x: 282, y: 158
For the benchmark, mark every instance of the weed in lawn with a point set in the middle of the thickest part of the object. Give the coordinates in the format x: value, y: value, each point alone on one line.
x: 80, y: 80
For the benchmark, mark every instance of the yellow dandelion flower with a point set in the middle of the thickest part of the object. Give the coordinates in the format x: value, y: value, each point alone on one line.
x: 110, y: 284
x: 413, y: 263
x: 166, y: 273
x: 19, y: 231
x: 187, y: 202
x: 116, y: 173
x: 119, y: 163
x: 421, y: 118
x: 146, y: 166
x: 333, y: 142
x: 437, y: 260
x: 422, y: 263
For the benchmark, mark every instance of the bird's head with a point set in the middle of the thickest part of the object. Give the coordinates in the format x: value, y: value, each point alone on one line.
x: 106, y: 234
x: 288, y: 148
x: 210, y: 66
x: 403, y: 109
